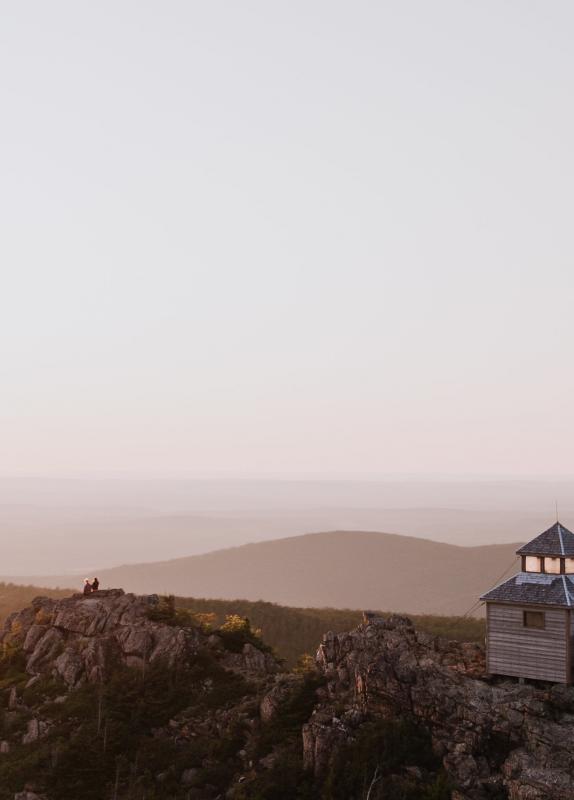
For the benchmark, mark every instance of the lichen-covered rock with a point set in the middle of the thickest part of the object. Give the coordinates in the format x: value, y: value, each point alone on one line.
x: 493, y: 737
x: 46, y: 648
x: 250, y: 659
x: 273, y: 702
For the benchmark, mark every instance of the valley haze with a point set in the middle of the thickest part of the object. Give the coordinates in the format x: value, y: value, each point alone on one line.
x: 66, y: 527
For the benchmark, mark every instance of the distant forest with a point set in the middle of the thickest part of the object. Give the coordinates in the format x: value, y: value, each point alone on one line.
x: 14, y: 597
x: 291, y: 632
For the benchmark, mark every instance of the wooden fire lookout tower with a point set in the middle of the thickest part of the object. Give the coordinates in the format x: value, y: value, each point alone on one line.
x: 530, y: 618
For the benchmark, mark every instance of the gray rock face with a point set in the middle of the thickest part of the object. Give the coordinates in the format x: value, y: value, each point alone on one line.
x: 36, y: 729
x: 495, y: 738
x: 272, y: 703
x: 13, y: 698
x: 83, y: 638
x: 492, y: 736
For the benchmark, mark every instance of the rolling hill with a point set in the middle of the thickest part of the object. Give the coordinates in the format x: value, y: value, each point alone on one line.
x: 339, y: 569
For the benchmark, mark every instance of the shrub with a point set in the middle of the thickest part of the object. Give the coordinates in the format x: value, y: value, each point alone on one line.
x: 381, y: 750
x: 12, y: 666
x: 285, y: 727
x: 305, y: 664
x: 236, y: 632
x: 42, y: 617
x: 285, y: 781
x: 293, y: 631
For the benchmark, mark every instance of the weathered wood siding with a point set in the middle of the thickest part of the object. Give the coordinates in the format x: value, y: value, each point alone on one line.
x: 527, y: 652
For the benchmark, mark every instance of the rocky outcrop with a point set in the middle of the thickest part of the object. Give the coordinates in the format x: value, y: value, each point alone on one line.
x: 83, y: 638
x: 251, y: 660
x: 495, y: 738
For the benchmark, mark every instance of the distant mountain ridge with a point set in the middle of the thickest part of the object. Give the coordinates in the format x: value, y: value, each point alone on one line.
x: 44, y: 540
x: 339, y: 569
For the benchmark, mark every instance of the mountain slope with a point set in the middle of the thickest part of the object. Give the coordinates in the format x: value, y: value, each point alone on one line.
x: 126, y: 697
x: 341, y: 569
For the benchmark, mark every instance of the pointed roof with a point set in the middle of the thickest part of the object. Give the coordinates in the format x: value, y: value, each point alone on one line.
x: 535, y: 588
x: 556, y: 541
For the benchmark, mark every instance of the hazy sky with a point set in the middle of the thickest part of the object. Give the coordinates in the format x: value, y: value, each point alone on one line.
x: 286, y: 237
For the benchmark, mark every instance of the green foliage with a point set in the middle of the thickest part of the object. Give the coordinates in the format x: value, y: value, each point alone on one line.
x: 168, y: 613
x: 285, y: 727
x: 14, y: 598
x: 103, y: 735
x: 305, y: 664
x: 286, y: 781
x: 43, y: 690
x: 236, y: 632
x: 461, y: 629
x: 12, y: 666
x: 376, y: 762
x: 383, y: 749
x: 291, y: 632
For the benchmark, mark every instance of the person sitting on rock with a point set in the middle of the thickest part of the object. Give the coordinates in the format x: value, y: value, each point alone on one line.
x: 95, y: 585
x: 87, y: 586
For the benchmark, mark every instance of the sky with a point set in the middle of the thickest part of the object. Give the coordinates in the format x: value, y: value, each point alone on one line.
x: 289, y: 238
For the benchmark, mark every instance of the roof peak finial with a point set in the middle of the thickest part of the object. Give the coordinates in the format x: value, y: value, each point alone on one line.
x: 557, y: 517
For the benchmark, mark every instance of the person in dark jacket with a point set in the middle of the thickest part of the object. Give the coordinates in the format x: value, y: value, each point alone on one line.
x: 95, y: 585
x: 87, y: 587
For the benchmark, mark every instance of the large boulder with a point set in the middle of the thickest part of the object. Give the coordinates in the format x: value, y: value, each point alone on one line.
x: 82, y: 638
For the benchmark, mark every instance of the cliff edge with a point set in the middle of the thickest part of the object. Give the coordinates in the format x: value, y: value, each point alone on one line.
x: 496, y: 738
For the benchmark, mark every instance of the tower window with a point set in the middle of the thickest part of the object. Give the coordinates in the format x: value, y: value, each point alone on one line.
x: 533, y: 619
x: 552, y: 565
x: 532, y: 564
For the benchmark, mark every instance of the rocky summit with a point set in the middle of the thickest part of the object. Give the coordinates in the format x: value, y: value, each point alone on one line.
x: 84, y: 638
x: 119, y: 696
x: 496, y: 738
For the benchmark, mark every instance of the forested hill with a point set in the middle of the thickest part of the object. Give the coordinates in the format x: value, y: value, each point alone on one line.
x: 14, y: 597
x: 293, y: 632
x: 337, y: 569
